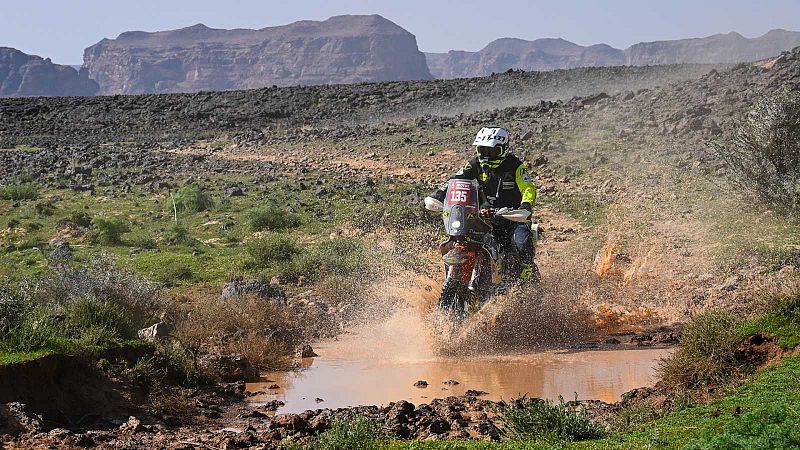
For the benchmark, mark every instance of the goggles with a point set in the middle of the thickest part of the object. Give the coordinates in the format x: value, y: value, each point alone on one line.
x: 489, y: 152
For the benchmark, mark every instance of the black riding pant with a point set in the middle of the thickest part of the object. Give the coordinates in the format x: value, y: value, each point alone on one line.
x: 516, y: 237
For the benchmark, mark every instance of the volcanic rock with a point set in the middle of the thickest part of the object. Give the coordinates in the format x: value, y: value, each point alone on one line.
x: 15, y: 419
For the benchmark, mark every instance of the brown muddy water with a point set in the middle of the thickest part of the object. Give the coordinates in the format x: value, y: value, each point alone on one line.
x: 379, y: 364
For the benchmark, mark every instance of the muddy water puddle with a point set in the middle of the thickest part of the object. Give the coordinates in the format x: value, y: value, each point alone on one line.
x: 365, y: 369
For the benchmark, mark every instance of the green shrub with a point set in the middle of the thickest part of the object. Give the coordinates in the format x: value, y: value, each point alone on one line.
x: 103, y: 282
x: 21, y: 191
x: 80, y: 309
x: 534, y: 418
x: 270, y: 250
x: 180, y: 365
x: 12, y: 309
x: 763, y: 155
x: 39, y: 329
x: 192, y: 198
x: 177, y: 235
x: 108, y: 230
x: 145, y: 373
x: 270, y: 218
x: 93, y: 314
x: 357, y: 434
x: 707, y: 353
x: 770, y: 427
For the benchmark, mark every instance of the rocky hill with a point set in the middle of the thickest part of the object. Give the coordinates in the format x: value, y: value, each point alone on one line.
x: 143, y: 117
x: 342, y: 49
x: 23, y: 75
x: 503, y: 54
x: 550, y: 54
x: 719, y: 48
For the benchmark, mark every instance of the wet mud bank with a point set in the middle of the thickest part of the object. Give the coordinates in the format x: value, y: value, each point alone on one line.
x: 68, y: 390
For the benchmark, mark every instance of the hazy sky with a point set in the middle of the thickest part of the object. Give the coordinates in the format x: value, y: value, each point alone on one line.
x: 61, y: 29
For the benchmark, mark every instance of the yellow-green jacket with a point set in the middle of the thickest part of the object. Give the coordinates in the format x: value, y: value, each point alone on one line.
x: 509, y: 184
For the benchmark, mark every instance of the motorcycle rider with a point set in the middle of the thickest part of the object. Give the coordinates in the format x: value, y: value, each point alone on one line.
x: 506, y: 183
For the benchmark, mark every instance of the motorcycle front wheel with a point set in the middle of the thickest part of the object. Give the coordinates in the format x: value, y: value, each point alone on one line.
x: 454, y: 297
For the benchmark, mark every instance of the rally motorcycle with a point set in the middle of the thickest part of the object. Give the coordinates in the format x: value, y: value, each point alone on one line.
x: 475, y: 263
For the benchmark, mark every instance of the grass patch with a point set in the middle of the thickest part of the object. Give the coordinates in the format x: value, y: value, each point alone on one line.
x: 707, y: 355
x: 19, y: 357
x: 781, y: 322
x: 357, y: 434
x: 270, y: 219
x: 336, y: 257
x: 16, y: 192
x: 535, y: 418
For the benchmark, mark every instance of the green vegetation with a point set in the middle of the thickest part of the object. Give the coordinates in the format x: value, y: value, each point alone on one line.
x: 19, y: 357
x: 763, y: 155
x: 192, y: 198
x: 357, y: 434
x: 108, y: 230
x: 707, y: 355
x: 270, y: 219
x: 176, y: 234
x: 534, y: 418
x: 77, y: 310
x: 22, y: 191
x: 270, y: 250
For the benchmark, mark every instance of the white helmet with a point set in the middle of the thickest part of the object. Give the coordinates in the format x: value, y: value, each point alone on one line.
x: 491, y: 137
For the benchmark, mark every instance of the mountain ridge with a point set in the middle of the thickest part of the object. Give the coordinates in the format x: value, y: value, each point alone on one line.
x: 341, y: 49
x: 557, y: 53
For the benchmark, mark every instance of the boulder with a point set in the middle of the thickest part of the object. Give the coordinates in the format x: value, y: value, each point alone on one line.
x: 61, y: 249
x: 306, y: 351
x: 15, y: 419
x: 155, y: 332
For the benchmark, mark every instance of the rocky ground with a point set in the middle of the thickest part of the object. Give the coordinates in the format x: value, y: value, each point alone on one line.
x: 606, y: 162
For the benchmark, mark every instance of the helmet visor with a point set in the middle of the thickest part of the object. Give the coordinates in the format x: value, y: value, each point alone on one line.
x: 489, y: 152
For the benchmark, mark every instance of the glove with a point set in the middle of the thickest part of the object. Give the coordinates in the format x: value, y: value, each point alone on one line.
x: 527, y: 206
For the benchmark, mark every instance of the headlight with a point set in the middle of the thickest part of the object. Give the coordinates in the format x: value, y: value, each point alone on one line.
x: 456, y: 224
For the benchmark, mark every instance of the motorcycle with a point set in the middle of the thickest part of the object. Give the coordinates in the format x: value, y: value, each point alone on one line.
x: 475, y: 263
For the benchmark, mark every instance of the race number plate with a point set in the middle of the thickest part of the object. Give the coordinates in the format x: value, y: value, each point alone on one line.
x: 460, y: 192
